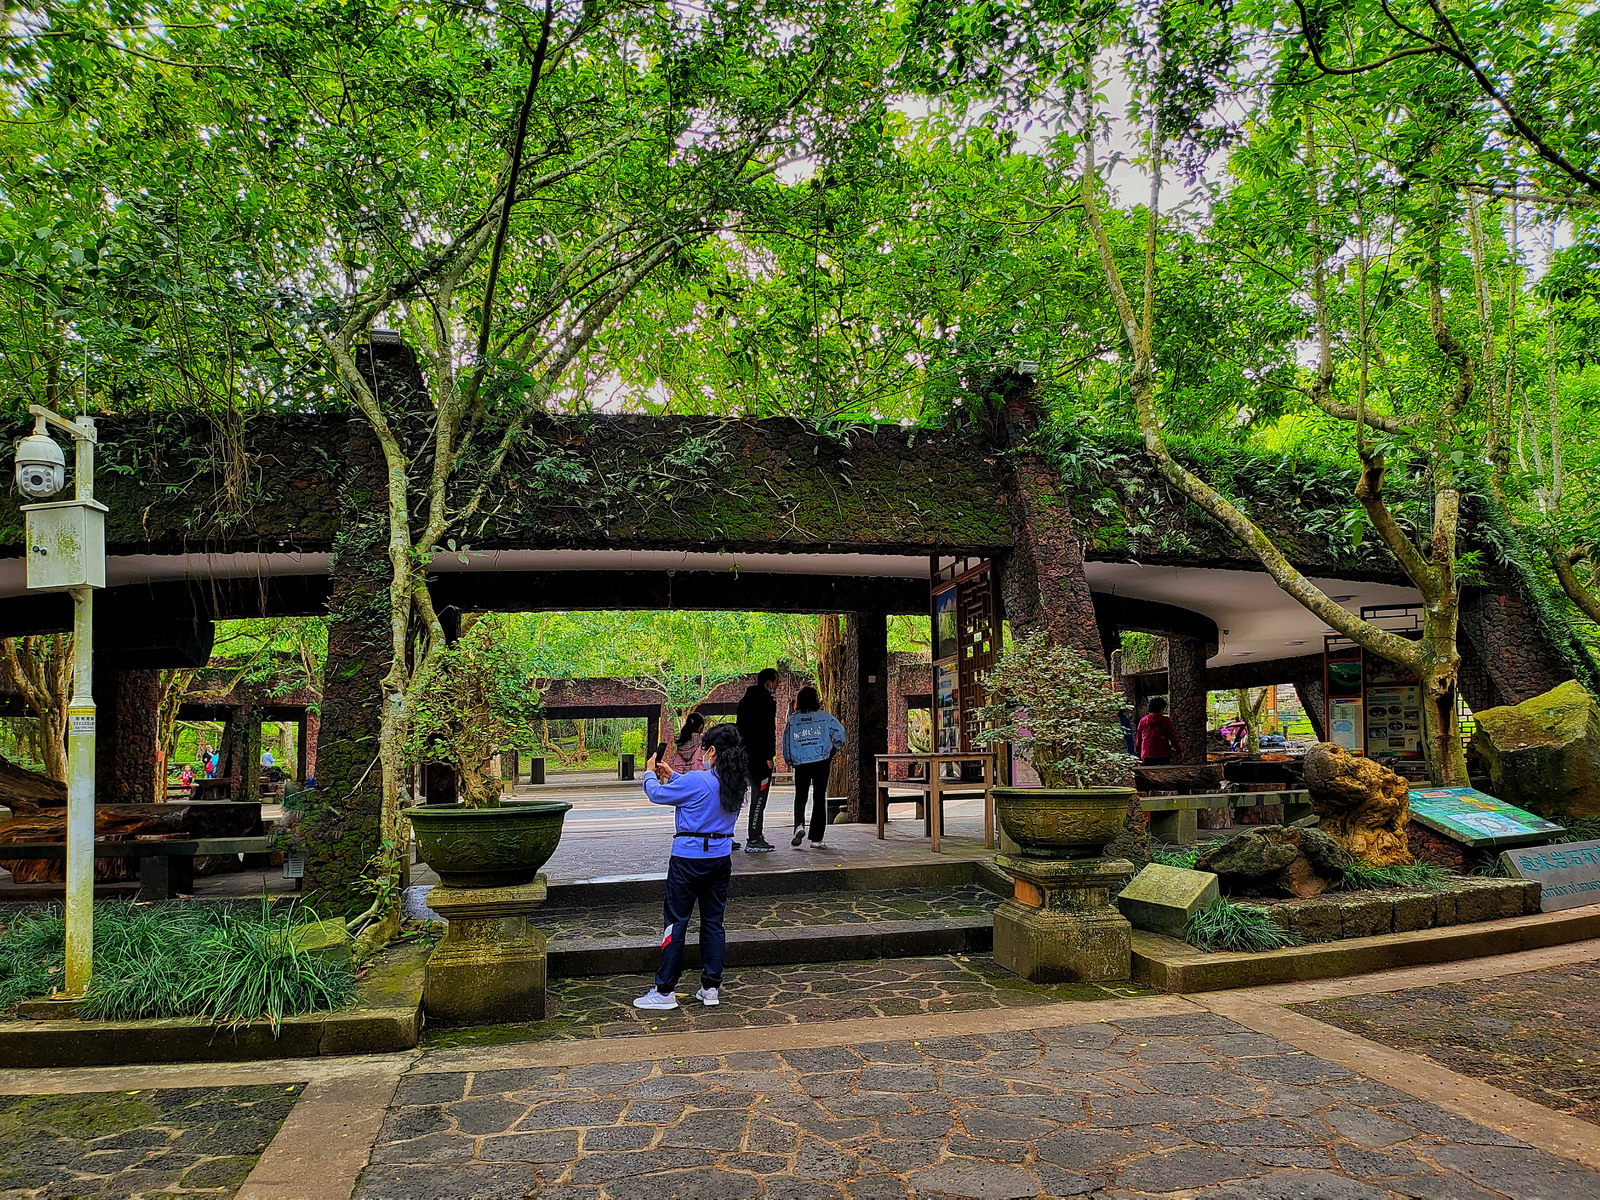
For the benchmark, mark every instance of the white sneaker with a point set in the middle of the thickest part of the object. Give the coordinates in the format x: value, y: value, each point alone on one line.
x: 708, y: 997
x: 816, y: 845
x: 654, y: 999
x: 799, y: 836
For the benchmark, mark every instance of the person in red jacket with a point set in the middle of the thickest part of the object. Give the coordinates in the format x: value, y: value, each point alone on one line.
x: 1157, y: 736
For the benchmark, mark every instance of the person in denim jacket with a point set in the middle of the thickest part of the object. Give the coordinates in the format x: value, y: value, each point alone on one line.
x: 810, y: 740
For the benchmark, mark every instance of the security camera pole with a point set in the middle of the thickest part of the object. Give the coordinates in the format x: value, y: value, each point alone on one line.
x: 67, y: 552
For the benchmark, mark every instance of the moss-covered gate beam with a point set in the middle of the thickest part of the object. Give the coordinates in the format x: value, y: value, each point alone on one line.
x: 735, y: 591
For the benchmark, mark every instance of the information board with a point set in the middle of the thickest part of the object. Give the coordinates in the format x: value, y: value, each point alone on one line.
x: 1478, y: 819
x: 1568, y: 875
x: 1344, y: 724
x: 1394, y: 720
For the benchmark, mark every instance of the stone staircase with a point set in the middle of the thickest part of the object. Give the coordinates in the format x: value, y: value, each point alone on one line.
x: 801, y: 916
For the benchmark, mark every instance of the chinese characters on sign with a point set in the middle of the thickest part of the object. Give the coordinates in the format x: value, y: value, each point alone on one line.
x: 1568, y: 875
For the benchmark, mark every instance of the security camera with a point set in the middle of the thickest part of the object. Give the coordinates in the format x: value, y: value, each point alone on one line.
x: 41, y: 467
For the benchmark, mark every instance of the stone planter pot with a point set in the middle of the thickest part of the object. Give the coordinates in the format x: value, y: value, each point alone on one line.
x: 488, y: 847
x: 1062, y: 822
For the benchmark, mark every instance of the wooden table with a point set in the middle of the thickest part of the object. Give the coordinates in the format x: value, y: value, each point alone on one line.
x: 934, y: 787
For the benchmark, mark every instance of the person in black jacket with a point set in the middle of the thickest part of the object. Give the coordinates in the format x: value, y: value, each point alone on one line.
x: 757, y: 719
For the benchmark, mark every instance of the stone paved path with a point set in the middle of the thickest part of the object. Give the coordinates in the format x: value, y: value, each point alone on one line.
x: 1536, y: 1035
x: 1181, y: 1106
x: 777, y: 912
x: 602, y: 1006
x: 141, y: 1144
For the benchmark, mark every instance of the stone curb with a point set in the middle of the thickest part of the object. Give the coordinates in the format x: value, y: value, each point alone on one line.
x: 783, y: 947
x: 1169, y: 965
x: 387, y: 1016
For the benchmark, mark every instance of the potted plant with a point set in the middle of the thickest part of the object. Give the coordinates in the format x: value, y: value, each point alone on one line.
x: 474, y: 706
x: 1059, y: 712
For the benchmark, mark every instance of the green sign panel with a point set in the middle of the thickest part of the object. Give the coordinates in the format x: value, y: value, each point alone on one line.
x: 1478, y: 819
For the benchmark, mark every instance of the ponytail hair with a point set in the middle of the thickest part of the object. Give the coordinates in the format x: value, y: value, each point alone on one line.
x: 732, y: 767
x: 692, y: 725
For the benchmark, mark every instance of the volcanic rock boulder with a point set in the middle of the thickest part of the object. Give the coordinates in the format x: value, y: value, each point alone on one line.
x: 1275, y: 860
x: 1364, y: 806
x: 1544, y: 754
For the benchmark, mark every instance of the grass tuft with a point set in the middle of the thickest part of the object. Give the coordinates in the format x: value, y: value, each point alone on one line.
x: 1580, y: 829
x: 1175, y: 856
x: 1364, y: 877
x: 228, y: 964
x: 1223, y: 925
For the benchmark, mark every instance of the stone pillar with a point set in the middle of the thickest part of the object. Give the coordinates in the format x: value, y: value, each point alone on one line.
x: 1313, y: 697
x: 491, y: 966
x: 305, y: 750
x: 866, y: 705
x: 1508, y: 654
x: 339, y: 829
x: 241, y: 752
x: 1042, y: 583
x: 128, y: 737
x: 1060, y: 925
x: 1186, y: 681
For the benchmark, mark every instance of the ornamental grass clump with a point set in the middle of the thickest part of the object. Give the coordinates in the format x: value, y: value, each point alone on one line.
x: 227, y: 964
x: 1176, y: 856
x: 1059, y: 712
x: 1364, y: 877
x: 1224, y: 925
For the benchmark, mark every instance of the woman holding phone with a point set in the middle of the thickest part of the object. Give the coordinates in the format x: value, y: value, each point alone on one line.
x: 706, y: 805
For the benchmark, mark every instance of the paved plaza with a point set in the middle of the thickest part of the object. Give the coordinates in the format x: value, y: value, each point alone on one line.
x: 940, y: 1076
x: 1253, y: 1095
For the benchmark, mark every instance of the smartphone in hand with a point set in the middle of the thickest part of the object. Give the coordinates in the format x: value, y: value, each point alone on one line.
x: 661, y: 751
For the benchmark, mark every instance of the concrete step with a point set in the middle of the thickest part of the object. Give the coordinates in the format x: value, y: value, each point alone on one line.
x: 589, y: 937
x: 771, y: 947
x: 930, y: 872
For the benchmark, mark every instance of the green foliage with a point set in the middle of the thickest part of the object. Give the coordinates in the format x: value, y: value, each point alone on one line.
x: 1582, y: 829
x: 1059, y: 711
x: 1176, y: 856
x: 226, y: 964
x: 1224, y: 925
x: 475, y: 701
x: 32, y: 952
x: 1364, y: 877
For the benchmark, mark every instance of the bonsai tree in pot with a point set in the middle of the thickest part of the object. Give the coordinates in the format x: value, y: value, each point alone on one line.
x: 474, y: 704
x: 1059, y: 712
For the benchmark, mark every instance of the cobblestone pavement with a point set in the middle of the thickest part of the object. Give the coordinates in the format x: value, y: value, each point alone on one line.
x: 1184, y: 1106
x: 138, y: 1145
x: 1536, y: 1034
x: 602, y: 1005
x: 778, y: 912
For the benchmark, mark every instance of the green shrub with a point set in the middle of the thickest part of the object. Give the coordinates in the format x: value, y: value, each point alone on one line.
x: 1176, y: 856
x: 1223, y: 925
x: 1581, y: 829
x: 1364, y: 877
x: 32, y: 951
x: 227, y: 964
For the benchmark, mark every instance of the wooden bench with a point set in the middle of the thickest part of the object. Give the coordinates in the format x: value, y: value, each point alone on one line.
x: 932, y: 791
x: 1175, y: 819
x: 165, y: 868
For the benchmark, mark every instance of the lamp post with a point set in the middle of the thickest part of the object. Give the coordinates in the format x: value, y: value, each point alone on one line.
x: 66, y: 543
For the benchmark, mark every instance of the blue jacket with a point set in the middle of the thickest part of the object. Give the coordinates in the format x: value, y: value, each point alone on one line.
x: 811, y: 737
x: 697, y: 797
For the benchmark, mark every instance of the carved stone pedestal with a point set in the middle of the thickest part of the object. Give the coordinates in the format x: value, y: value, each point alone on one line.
x: 490, y: 967
x: 1060, y: 926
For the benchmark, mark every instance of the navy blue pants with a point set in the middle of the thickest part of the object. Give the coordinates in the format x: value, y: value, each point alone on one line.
x: 691, y: 881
